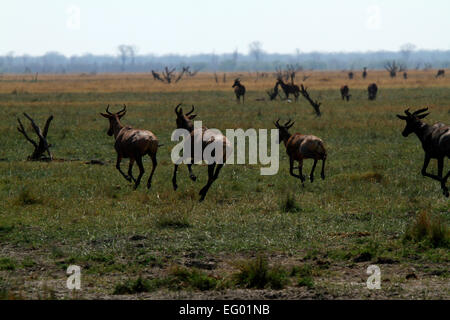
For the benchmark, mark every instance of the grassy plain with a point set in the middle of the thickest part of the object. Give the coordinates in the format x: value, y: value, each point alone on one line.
x: 309, y: 242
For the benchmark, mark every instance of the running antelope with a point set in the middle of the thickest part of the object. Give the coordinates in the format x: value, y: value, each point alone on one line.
x: 435, y: 142
x: 289, y: 89
x: 300, y: 147
x: 205, y: 137
x: 133, y: 144
x: 239, y: 90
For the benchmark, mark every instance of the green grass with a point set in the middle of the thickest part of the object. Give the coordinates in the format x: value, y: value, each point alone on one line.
x: 68, y: 212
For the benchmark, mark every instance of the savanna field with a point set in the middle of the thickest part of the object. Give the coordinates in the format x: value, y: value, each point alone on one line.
x: 254, y: 237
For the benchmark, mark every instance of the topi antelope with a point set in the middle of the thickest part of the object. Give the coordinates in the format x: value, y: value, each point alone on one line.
x: 207, y: 137
x: 372, y: 90
x: 300, y: 147
x: 345, y: 93
x: 133, y: 144
x: 288, y: 88
x: 440, y: 73
x: 435, y: 142
x: 239, y: 90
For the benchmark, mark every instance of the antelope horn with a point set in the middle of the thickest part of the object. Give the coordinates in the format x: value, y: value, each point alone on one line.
x: 288, y: 123
x: 407, y: 112
x: 416, y: 113
x: 107, y: 110
x: 176, y: 109
x: 277, y: 123
x: 123, y: 110
x: 189, y: 113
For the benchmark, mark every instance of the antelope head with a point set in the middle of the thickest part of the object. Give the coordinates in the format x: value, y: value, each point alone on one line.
x: 284, y: 129
x: 114, y: 118
x: 413, y: 120
x: 184, y: 121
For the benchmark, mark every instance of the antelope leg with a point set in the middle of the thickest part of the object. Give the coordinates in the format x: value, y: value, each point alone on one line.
x: 191, y: 174
x: 119, y: 160
x: 174, y: 179
x: 130, y: 170
x: 141, y: 171
x: 205, y: 189
x: 425, y: 166
x: 155, y: 164
x: 311, y: 176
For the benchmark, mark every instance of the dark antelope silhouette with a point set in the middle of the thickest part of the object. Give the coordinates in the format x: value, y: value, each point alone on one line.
x: 440, y: 73
x: 364, y: 74
x: 289, y: 89
x: 435, y: 141
x: 133, y: 144
x: 372, y: 90
x: 300, y: 147
x: 206, y: 137
x: 239, y: 90
x: 345, y: 93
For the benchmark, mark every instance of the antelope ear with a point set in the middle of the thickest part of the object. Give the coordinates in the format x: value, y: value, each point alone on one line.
x: 402, y: 117
x: 192, y: 117
x: 105, y: 115
x: 422, y: 116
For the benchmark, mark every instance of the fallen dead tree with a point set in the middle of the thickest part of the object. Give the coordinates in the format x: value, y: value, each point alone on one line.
x: 43, y: 146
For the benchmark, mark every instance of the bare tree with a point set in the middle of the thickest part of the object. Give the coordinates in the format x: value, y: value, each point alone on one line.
x: 393, y: 68
x: 406, y: 50
x: 256, y: 50
x: 126, y: 52
x: 315, y: 104
x: 43, y: 145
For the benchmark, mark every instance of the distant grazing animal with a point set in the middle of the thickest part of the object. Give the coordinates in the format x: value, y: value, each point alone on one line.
x: 435, y: 142
x: 239, y: 90
x: 373, y: 90
x: 440, y: 73
x: 184, y: 121
x: 133, y: 144
x: 364, y: 75
x: 345, y: 90
x: 288, y: 89
x: 300, y: 147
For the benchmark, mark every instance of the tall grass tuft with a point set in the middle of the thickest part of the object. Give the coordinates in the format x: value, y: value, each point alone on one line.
x: 257, y: 274
x: 173, y: 221
x: 431, y: 231
x: 289, y: 204
x: 27, y: 197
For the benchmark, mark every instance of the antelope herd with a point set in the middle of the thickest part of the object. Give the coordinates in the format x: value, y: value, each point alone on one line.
x: 134, y: 143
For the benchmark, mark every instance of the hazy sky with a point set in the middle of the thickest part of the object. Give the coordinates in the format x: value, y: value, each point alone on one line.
x: 195, y: 26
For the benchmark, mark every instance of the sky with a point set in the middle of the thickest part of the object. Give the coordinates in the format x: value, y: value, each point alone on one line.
x: 76, y: 27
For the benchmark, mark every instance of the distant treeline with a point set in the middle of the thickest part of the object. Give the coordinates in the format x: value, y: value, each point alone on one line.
x: 54, y: 62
